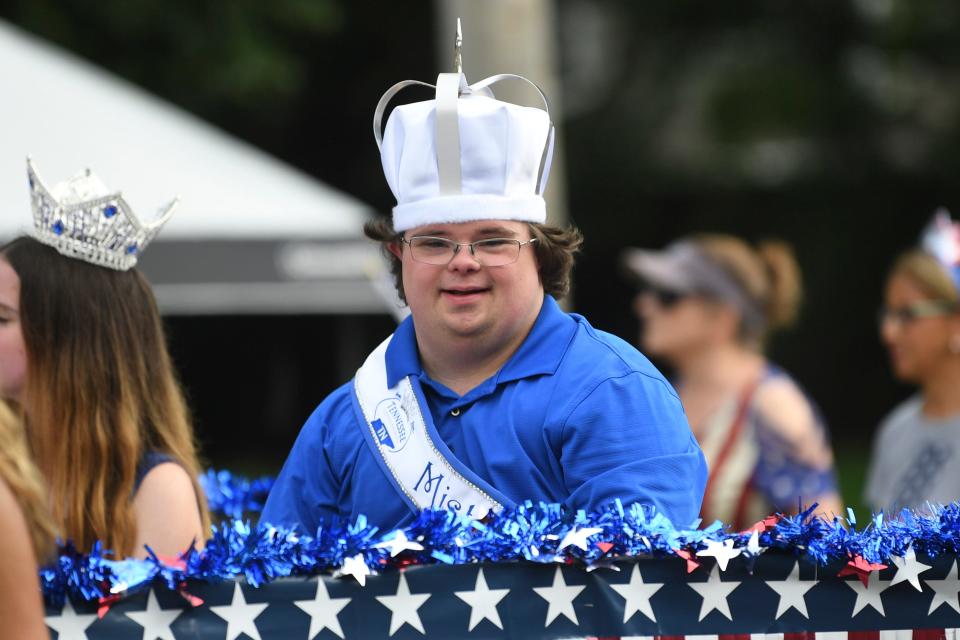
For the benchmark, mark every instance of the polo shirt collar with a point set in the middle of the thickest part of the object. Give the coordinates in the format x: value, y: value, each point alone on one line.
x: 544, y: 347
x: 539, y: 354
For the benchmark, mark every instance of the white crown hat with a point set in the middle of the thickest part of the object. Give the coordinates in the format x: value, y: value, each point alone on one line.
x: 81, y: 218
x: 465, y: 155
x: 941, y: 239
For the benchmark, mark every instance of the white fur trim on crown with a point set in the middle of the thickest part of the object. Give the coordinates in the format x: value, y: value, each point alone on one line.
x: 468, y: 208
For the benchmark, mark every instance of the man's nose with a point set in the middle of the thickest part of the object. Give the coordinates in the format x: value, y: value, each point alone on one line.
x: 463, y: 259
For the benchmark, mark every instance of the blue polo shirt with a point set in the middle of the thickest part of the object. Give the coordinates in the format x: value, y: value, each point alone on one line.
x: 575, y: 416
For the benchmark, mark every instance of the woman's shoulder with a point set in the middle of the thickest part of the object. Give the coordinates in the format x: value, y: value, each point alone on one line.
x: 904, y: 416
x: 161, y: 474
x: 167, y: 511
x: 777, y: 392
x: 11, y: 515
x: 167, y: 474
x: 21, y: 614
x: 149, y: 461
x: 781, y: 404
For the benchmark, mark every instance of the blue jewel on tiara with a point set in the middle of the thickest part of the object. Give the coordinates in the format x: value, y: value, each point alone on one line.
x: 66, y: 218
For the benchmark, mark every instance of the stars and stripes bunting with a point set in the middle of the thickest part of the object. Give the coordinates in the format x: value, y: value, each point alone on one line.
x: 777, y: 598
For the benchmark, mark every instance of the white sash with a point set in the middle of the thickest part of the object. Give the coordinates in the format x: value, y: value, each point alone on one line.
x: 397, y: 429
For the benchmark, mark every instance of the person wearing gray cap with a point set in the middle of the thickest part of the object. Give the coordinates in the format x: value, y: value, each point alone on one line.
x: 707, y: 304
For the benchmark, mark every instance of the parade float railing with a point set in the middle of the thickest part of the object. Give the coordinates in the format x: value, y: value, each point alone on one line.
x: 532, y: 572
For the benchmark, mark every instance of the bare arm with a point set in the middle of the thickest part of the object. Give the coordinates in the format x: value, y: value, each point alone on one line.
x: 168, y: 518
x: 21, y: 605
x: 788, y: 414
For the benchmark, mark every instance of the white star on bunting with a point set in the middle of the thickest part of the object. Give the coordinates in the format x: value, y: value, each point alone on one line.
x: 945, y: 591
x: 69, y: 625
x: 908, y: 568
x: 155, y: 620
x: 578, y: 538
x: 714, y: 593
x: 403, y: 607
x: 723, y: 552
x: 239, y: 615
x: 323, y: 610
x: 355, y: 567
x: 637, y: 593
x: 560, y: 597
x: 398, y: 544
x: 483, y: 602
x: 791, y: 592
x: 869, y: 595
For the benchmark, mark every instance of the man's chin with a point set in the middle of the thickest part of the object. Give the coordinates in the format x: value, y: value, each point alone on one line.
x: 464, y: 325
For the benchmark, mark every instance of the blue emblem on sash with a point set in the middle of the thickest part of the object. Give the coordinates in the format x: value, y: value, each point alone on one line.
x: 382, y: 434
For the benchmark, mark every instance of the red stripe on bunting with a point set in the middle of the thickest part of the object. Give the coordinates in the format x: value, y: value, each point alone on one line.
x: 918, y: 634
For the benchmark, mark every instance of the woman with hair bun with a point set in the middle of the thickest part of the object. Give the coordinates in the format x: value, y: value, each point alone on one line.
x: 708, y: 304
x: 916, y: 452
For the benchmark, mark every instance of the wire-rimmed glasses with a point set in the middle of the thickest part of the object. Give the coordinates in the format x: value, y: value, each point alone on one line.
x: 901, y: 316
x: 490, y: 252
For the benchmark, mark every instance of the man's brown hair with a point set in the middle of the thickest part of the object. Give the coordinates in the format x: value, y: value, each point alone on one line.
x: 555, y: 249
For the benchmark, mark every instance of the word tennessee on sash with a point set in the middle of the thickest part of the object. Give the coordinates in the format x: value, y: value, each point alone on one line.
x: 398, y: 427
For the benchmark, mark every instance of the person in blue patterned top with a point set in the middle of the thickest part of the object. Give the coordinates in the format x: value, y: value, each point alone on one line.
x: 708, y: 303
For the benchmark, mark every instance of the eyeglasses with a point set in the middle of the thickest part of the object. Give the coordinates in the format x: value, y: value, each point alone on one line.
x: 492, y: 252
x: 907, y: 314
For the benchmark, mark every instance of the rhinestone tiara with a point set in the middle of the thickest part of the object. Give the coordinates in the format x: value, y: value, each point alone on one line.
x: 83, y: 219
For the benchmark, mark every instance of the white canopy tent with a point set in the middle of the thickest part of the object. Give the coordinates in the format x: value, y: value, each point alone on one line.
x: 251, y: 234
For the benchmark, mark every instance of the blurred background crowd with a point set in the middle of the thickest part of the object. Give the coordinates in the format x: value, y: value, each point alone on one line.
x: 831, y: 126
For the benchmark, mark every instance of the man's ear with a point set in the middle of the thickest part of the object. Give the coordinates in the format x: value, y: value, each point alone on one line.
x: 395, y: 248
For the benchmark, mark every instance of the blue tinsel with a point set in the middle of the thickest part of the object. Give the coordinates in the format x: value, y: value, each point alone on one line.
x: 530, y: 532
x: 232, y: 496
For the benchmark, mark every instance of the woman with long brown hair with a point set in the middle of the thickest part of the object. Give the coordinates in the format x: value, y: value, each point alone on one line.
x: 85, y: 358
x: 27, y: 533
x: 708, y: 303
x: 916, y: 452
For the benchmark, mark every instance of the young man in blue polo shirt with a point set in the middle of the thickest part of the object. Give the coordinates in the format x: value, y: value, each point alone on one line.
x: 488, y: 394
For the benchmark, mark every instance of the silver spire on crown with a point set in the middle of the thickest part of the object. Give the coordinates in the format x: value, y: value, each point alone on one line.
x: 458, y: 49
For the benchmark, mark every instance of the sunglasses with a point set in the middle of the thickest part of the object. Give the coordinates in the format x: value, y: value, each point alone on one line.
x: 666, y: 298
